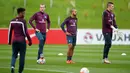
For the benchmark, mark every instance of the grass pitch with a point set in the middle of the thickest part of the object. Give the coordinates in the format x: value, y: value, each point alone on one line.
x: 84, y: 56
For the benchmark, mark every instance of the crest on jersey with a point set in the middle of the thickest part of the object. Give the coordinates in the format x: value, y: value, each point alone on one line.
x: 45, y: 17
x: 112, y: 15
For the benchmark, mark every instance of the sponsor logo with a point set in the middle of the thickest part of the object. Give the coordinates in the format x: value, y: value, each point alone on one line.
x: 88, y: 37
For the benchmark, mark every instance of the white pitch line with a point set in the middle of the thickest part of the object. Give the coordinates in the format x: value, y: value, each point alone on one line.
x: 36, y: 69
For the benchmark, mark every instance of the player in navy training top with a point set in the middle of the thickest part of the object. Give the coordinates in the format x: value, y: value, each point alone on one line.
x: 108, y: 26
x: 71, y: 33
x: 41, y: 20
x: 18, y: 25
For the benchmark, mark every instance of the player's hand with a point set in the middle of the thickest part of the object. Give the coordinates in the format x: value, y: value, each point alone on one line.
x: 67, y: 33
x: 115, y: 30
x: 30, y: 43
x: 47, y: 30
x: 37, y: 30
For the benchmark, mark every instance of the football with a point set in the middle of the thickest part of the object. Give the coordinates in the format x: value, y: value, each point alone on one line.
x: 41, y: 61
x: 84, y: 70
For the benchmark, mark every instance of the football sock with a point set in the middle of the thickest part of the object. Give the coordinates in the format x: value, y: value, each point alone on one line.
x: 69, y: 57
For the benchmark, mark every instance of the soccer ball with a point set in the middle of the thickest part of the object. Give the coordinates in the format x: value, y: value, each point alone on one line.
x: 84, y: 70
x: 41, y: 61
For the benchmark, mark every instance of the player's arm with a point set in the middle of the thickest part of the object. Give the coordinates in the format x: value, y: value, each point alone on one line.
x: 48, y: 22
x: 31, y: 22
x: 114, y: 22
x: 63, y: 28
x: 10, y: 30
x: 114, y: 26
x: 27, y: 34
x: 77, y: 25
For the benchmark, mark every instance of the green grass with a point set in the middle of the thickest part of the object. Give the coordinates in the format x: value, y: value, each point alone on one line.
x: 85, y: 56
x: 89, y: 11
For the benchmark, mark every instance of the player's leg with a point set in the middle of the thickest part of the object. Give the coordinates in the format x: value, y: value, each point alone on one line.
x: 73, y: 47
x: 22, y: 56
x: 41, y: 40
x: 69, y: 53
x: 41, y: 49
x: 42, y: 44
x: 69, y: 56
x: 15, y: 50
x: 107, y: 46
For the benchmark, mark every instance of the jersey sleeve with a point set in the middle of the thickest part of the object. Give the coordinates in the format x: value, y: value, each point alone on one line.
x: 76, y: 24
x: 114, y: 22
x: 63, y: 24
x: 26, y: 32
x: 10, y: 33
x: 31, y: 20
x: 48, y: 22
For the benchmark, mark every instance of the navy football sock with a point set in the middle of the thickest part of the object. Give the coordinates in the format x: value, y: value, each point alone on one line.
x: 69, y: 57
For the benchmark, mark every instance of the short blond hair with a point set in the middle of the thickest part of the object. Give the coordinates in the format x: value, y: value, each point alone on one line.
x: 43, y: 4
x: 72, y: 10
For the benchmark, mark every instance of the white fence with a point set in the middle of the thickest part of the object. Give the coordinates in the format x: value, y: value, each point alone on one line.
x: 95, y: 37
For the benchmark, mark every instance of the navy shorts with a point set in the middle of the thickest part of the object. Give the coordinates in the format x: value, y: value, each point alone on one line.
x: 71, y: 40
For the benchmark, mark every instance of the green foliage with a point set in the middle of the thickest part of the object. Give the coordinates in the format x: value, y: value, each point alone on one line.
x: 89, y: 11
